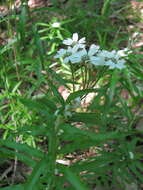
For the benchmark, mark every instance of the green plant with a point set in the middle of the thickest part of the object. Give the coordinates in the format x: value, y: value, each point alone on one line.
x: 68, y: 143
x: 104, y: 128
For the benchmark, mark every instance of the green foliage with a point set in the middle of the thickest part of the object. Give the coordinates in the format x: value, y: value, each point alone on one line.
x: 68, y: 144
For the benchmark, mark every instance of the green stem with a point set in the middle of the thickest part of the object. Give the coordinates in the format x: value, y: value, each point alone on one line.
x: 73, y: 78
x: 52, y: 152
x: 86, y: 77
x: 100, y: 75
x: 82, y: 77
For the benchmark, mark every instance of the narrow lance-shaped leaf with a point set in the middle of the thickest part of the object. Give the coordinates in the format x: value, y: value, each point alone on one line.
x: 34, y: 178
x: 79, y: 93
x: 113, y: 82
x: 74, y: 179
x: 22, y: 148
x: 56, y: 93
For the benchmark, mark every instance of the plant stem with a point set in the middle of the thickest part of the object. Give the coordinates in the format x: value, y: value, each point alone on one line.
x: 52, y: 152
x: 73, y: 79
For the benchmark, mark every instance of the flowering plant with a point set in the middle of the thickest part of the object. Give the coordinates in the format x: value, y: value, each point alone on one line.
x: 89, y: 59
x: 77, y: 52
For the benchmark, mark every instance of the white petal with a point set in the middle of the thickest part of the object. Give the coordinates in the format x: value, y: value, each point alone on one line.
x: 68, y: 42
x: 82, y: 40
x: 82, y: 53
x: 97, y: 60
x: 57, y: 56
x: 113, y: 52
x: 120, y: 64
x: 107, y: 54
x: 75, y: 58
x: 121, y: 61
x: 66, y: 60
x: 111, y: 64
x: 122, y: 53
x: 93, y: 49
x: 75, y: 37
x: 60, y: 53
x: 80, y: 46
x: 56, y: 25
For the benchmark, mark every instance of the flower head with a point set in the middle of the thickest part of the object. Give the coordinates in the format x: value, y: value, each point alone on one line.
x: 74, y: 57
x: 124, y: 52
x: 98, y: 60
x: 93, y: 50
x: 56, y: 25
x: 76, y: 53
x: 60, y: 53
x: 119, y: 65
x: 74, y: 41
x: 109, y: 54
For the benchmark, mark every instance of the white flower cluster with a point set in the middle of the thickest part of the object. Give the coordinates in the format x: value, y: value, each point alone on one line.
x: 56, y: 25
x: 76, y: 52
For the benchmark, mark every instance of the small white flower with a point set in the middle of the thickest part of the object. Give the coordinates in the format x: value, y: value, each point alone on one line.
x: 108, y: 54
x: 74, y: 58
x: 120, y: 65
x: 74, y: 41
x: 90, y: 54
x: 60, y: 53
x: 98, y: 60
x: 72, y: 50
x: 74, y: 55
x: 75, y: 37
x: 124, y: 52
x: 66, y: 59
x: 93, y: 50
x: 56, y: 25
x: 82, y: 53
x: 110, y: 63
